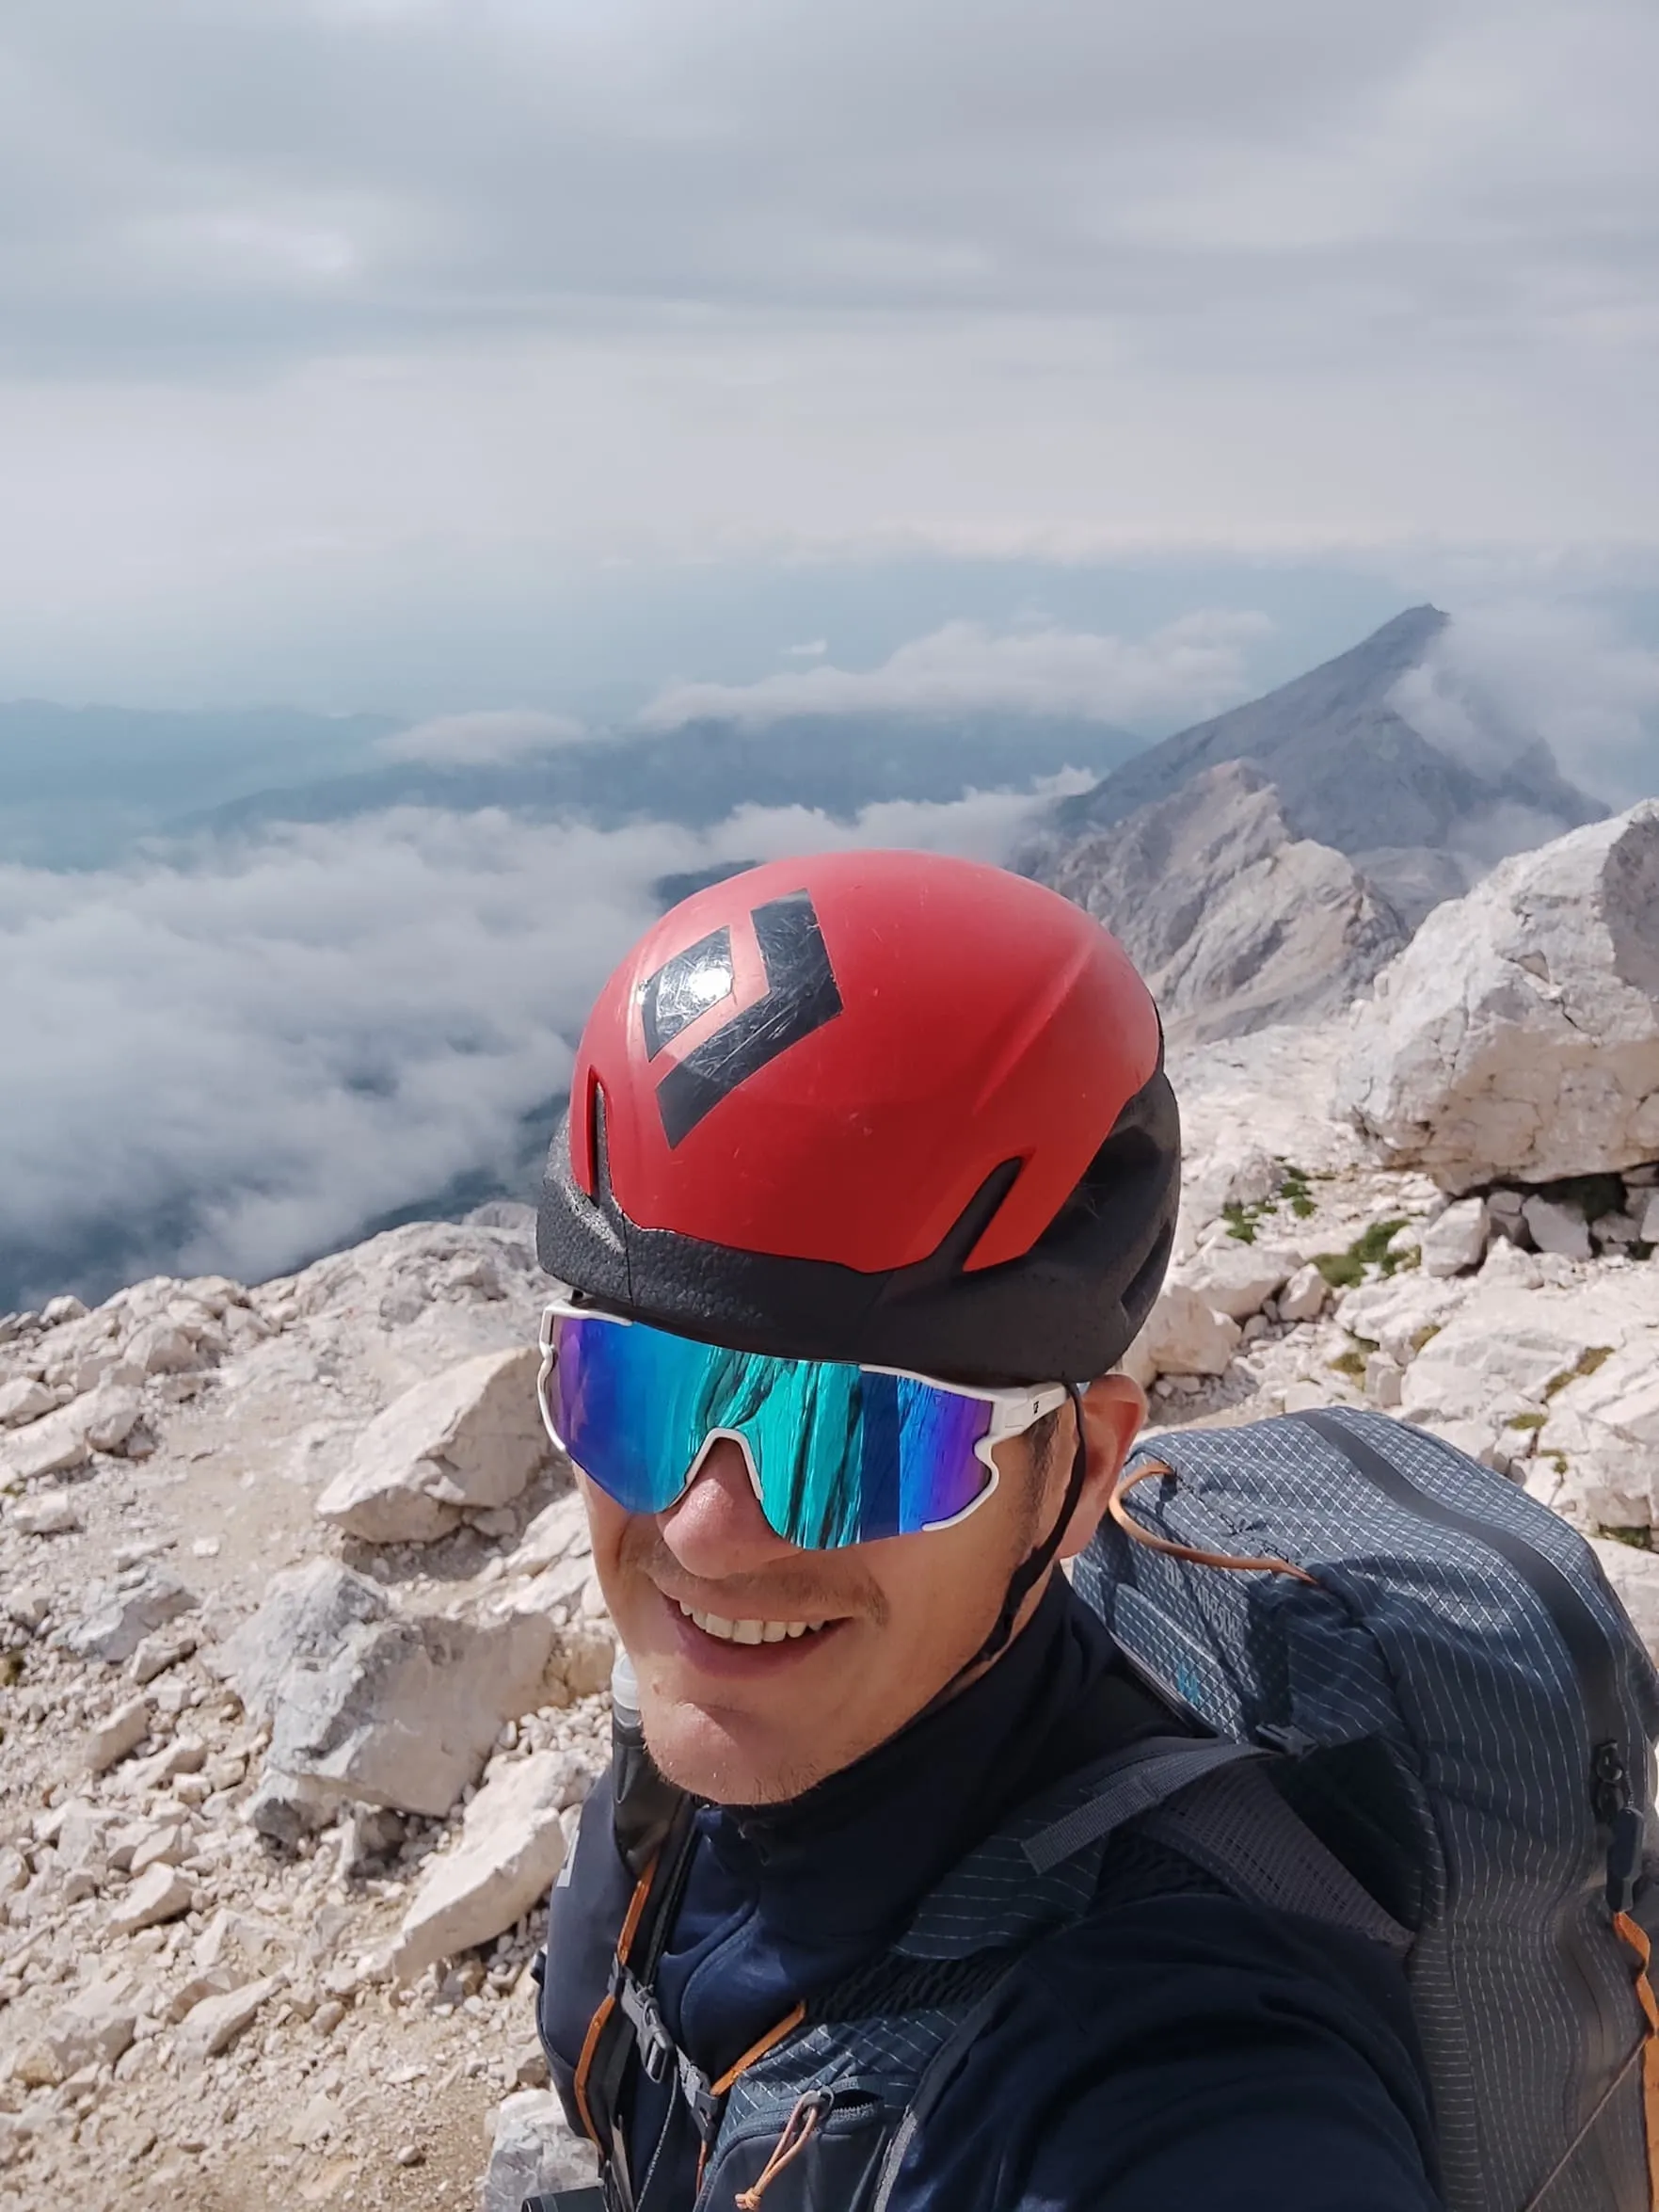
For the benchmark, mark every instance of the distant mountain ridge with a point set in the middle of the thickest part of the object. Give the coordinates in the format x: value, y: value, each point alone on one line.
x: 700, y: 772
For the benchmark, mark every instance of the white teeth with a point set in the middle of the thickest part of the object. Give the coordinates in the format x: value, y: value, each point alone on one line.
x: 746, y: 1632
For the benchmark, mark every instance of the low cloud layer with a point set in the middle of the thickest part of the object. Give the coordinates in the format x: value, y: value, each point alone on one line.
x: 1497, y: 679
x: 1189, y: 668
x: 239, y: 1054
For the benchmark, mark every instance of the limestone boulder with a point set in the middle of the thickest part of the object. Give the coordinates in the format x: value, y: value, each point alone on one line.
x: 468, y: 1439
x: 161, y: 1895
x: 371, y: 1705
x: 1554, y: 1227
x: 1235, y: 1278
x: 1604, y: 1423
x: 1401, y: 1314
x: 22, y: 1399
x: 1634, y: 1576
x: 48, y: 1512
x: 1183, y: 1336
x: 1517, y: 1037
x: 95, y: 2026
x: 99, y: 1420
x: 214, y: 2024
x: 509, y: 1851
x: 1456, y: 1240
x: 124, y: 1612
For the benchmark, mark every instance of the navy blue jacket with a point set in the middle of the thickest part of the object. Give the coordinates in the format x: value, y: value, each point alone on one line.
x: 1186, y: 2049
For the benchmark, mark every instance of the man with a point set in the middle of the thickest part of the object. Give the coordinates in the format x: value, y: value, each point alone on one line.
x: 869, y: 1180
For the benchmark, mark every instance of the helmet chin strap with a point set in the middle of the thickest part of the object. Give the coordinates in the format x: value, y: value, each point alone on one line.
x: 1036, y: 1564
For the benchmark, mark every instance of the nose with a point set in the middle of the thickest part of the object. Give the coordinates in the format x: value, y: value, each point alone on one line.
x: 717, y: 1529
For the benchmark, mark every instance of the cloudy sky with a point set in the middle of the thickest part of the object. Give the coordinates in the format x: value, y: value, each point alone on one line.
x: 436, y: 354
x: 518, y: 367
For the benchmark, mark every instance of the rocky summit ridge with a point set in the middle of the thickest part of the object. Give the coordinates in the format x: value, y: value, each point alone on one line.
x: 305, y: 1663
x: 1271, y: 859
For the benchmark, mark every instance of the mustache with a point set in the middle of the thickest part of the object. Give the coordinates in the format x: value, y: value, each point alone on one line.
x: 789, y: 1591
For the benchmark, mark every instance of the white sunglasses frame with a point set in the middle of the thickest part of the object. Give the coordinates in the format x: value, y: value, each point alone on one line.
x: 1013, y: 1410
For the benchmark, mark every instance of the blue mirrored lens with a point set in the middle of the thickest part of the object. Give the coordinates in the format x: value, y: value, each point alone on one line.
x: 843, y: 1456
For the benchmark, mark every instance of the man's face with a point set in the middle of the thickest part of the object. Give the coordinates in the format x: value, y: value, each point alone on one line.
x: 884, y: 1627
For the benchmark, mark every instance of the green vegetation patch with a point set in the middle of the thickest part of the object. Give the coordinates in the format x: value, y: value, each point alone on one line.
x: 1526, y: 1421
x: 1638, y: 1539
x: 1342, y: 1269
x: 1594, y: 1356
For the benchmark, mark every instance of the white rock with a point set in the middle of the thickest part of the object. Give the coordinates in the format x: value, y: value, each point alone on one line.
x: 468, y: 1438
x: 24, y: 1398
x: 1607, y: 1424
x: 185, y: 1755
x: 534, y: 2151
x: 1305, y: 1296
x: 1235, y: 1278
x: 58, y: 1310
x: 1507, y: 1263
x: 285, y: 1807
x: 369, y: 1705
x: 1401, y: 1313
x: 1557, y: 1228
x: 1456, y: 1241
x: 163, y: 1349
x: 1634, y: 1576
x: 1183, y: 1337
x: 162, y: 1894
x: 95, y: 2026
x: 510, y: 1849
x: 49, y: 1512
x: 124, y: 1730
x: 559, y: 1532
x: 1238, y: 1173
x: 1649, y: 1220
x: 102, y: 1421
x: 141, y: 1600
x: 157, y: 1653
x: 214, y: 2025
x: 164, y: 1843
x: 1517, y: 1036
x: 1383, y: 1378
x: 309, y: 1615
x: 51, y: 1446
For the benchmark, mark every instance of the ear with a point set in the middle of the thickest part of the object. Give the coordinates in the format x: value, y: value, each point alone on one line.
x: 1114, y: 1409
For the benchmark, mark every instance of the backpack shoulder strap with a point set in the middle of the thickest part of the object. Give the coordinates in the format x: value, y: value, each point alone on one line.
x: 1212, y: 1802
x: 1235, y: 1824
x: 1128, y: 1784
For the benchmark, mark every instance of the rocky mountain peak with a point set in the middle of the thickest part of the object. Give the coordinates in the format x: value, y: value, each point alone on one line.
x: 1350, y: 770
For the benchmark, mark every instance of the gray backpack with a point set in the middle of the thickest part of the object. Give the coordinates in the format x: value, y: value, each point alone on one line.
x: 1468, y: 1718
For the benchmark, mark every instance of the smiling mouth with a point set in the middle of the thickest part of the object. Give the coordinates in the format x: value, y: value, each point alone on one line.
x: 747, y: 1632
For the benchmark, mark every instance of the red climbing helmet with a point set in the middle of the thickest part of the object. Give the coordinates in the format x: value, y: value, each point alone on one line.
x: 884, y: 1107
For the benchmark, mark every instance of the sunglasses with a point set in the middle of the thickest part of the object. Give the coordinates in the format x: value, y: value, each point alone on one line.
x: 838, y: 1453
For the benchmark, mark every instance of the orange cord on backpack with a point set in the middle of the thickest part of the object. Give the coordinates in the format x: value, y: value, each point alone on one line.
x: 803, y: 2118
x: 1634, y: 1937
x: 1119, y: 1511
